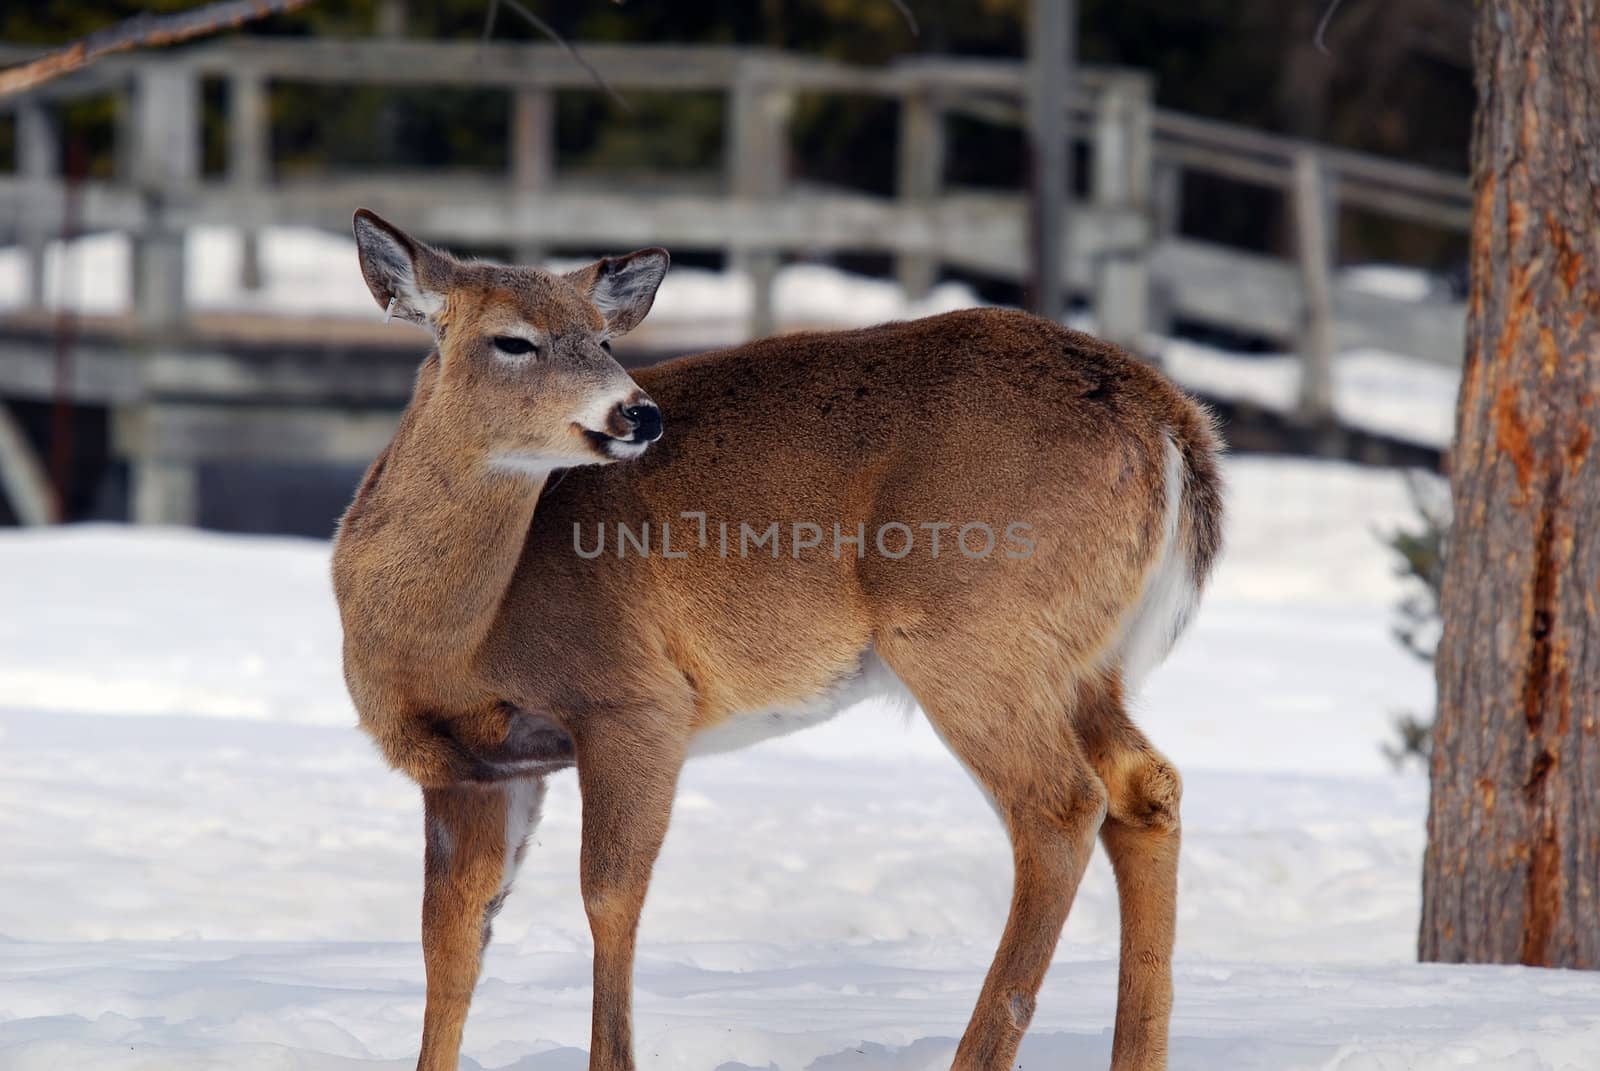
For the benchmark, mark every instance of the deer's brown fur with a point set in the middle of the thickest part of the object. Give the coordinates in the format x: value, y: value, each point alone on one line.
x: 482, y: 650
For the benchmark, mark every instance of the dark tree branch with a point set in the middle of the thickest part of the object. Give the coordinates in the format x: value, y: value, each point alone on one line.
x: 1322, y: 26
x: 549, y: 31
x: 141, y: 31
x: 906, y: 13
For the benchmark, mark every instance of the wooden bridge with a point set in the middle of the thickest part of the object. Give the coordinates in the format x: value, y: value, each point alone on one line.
x: 186, y: 388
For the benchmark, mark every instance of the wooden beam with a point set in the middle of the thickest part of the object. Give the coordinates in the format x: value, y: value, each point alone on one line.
x: 174, y: 435
x: 474, y: 64
x: 478, y: 210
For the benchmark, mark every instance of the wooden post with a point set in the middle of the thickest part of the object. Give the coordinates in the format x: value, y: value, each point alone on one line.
x: 166, y: 167
x: 919, y: 177
x: 1309, y: 196
x: 1167, y: 222
x: 1330, y: 204
x: 1167, y: 195
x: 758, y: 145
x: 23, y: 477
x: 1051, y: 47
x: 390, y: 18
x: 165, y: 491
x: 533, y: 151
x: 736, y: 135
x: 165, y: 126
x: 124, y: 138
x: 249, y: 149
x: 1121, y: 181
x: 39, y: 164
x: 166, y: 484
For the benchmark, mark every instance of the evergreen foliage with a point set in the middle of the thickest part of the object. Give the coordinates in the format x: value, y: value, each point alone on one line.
x: 1421, y: 552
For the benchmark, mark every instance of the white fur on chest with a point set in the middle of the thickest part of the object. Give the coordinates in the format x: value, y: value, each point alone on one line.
x: 871, y: 682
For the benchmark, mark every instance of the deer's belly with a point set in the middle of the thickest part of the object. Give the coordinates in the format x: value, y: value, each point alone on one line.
x: 871, y: 682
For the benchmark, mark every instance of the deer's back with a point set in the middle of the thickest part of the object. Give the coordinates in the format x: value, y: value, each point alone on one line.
x: 981, y: 420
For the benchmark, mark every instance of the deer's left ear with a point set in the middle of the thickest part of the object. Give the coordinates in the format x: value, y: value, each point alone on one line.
x: 622, y: 288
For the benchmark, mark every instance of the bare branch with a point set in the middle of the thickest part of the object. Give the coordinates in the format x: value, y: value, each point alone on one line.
x: 141, y: 31
x: 549, y: 31
x: 905, y: 13
x: 1322, y: 26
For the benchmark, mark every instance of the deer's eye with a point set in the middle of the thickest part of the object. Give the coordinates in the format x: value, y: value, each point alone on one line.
x: 513, y: 345
x: 605, y: 344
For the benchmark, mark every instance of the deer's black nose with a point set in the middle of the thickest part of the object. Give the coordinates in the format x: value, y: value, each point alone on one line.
x: 644, y: 418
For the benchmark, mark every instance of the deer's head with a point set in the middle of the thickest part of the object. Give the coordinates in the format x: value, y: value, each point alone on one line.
x: 524, y: 355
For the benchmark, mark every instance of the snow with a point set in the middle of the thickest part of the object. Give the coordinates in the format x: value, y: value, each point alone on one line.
x: 207, y: 866
x: 1389, y: 280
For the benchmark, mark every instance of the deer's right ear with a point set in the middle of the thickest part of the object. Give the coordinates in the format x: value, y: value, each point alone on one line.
x: 408, y: 279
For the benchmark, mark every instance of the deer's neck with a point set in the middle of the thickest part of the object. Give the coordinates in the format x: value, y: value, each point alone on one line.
x: 430, y: 544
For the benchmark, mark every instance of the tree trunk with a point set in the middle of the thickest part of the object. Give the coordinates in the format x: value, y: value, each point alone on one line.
x: 1512, y: 873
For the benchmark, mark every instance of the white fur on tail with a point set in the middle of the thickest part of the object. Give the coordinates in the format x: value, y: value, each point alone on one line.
x: 1170, y: 592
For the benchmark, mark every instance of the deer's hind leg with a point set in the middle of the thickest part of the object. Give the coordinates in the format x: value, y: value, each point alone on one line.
x: 1009, y: 731
x: 475, y: 839
x: 1141, y: 835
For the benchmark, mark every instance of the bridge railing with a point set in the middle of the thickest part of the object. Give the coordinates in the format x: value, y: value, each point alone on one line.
x: 756, y: 215
x: 1125, y: 247
x: 1124, y: 237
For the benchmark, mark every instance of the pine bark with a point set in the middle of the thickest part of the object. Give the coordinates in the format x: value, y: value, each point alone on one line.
x: 1513, y: 861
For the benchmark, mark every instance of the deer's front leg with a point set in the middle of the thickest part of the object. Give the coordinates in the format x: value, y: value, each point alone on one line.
x: 475, y: 836
x: 627, y: 775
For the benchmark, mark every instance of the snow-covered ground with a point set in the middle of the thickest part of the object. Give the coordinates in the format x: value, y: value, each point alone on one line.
x: 308, y: 271
x: 207, y: 867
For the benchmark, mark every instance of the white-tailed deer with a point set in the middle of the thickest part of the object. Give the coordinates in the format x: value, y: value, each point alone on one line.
x: 1009, y: 520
